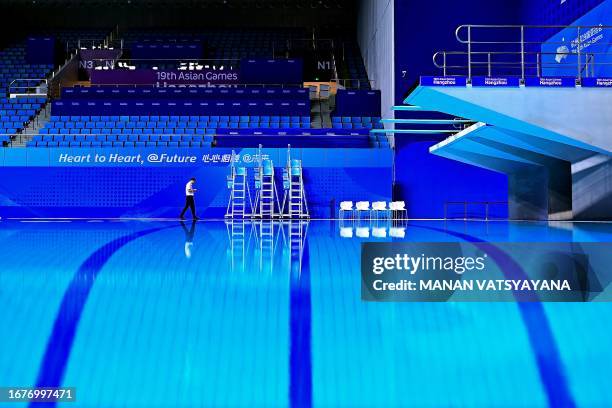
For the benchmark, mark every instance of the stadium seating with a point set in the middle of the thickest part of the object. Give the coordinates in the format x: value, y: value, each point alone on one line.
x: 16, y: 112
x: 356, y: 122
x: 197, y: 116
x: 220, y: 44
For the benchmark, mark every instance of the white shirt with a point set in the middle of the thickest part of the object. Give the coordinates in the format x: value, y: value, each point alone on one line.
x: 189, y: 188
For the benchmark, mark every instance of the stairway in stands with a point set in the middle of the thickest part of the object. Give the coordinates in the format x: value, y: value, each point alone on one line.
x: 33, y: 127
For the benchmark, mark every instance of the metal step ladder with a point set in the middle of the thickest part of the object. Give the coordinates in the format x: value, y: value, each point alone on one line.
x: 295, y: 204
x: 266, y: 197
x: 239, y: 205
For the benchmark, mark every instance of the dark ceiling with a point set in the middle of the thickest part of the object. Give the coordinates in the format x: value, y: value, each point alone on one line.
x: 230, y: 4
x: 325, y: 16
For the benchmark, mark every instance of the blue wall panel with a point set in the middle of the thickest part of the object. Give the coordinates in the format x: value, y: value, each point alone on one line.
x: 35, y: 183
x: 555, y: 12
x: 427, y: 182
x: 423, y: 180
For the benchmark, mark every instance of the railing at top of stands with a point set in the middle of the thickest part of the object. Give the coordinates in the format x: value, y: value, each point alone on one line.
x: 99, y: 43
x: 186, y: 64
x: 195, y: 86
x: 33, y: 87
x: 352, y: 83
x: 519, y: 51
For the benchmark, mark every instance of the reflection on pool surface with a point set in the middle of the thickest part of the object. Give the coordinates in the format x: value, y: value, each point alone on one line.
x: 158, y: 314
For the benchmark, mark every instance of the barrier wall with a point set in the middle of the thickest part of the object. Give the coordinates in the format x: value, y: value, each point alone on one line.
x: 40, y: 50
x: 92, y: 183
x: 108, y: 92
x: 180, y: 107
x: 357, y: 103
x: 157, y: 50
x: 271, y: 71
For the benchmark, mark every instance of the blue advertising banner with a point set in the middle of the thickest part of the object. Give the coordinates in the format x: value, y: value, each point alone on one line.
x: 151, y: 76
x: 551, y: 82
x: 443, y: 81
x: 587, y: 36
x: 496, y: 81
x: 597, y: 82
x: 150, y: 182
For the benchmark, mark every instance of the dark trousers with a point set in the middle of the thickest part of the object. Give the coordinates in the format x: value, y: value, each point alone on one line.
x: 189, y: 203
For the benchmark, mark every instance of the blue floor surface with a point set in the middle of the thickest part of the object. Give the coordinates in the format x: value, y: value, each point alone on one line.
x: 169, y: 314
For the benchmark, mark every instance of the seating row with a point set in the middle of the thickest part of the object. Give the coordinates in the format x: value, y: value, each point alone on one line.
x: 122, y: 138
x: 355, y: 119
x: 279, y: 141
x: 293, y: 132
x: 23, y: 100
x: 128, y: 131
x: 18, y: 116
x: 209, y: 131
x: 171, y: 129
x: 165, y: 119
x: 180, y: 107
x: 104, y: 92
x: 357, y: 125
x: 117, y: 144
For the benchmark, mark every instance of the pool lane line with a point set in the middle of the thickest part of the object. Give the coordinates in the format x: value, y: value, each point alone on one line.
x: 59, y: 346
x: 539, y: 331
x: 300, y: 323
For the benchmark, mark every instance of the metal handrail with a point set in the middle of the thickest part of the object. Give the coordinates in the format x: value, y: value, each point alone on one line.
x: 344, y: 81
x: 585, y: 64
x: 39, y: 83
x: 200, y: 86
x: 465, y: 205
x: 587, y: 67
x: 521, y: 27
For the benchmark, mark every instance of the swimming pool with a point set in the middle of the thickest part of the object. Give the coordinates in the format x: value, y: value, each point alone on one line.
x: 162, y: 313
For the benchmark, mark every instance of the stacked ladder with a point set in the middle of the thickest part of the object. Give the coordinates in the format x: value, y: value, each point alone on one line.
x: 266, y: 198
x: 294, y: 200
x: 239, y: 202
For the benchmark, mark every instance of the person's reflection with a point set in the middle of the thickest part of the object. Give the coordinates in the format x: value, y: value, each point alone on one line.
x: 188, y: 238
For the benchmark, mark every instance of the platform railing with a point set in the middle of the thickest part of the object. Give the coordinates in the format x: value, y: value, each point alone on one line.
x: 517, y: 50
x: 352, y: 83
x: 466, y: 204
x: 28, y: 87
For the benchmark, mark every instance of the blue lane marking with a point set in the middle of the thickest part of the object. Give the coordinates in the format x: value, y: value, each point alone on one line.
x: 300, y: 358
x: 541, y: 338
x: 57, y: 353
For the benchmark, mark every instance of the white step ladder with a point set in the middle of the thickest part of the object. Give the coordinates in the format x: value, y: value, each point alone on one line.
x: 239, y: 205
x: 266, y: 197
x: 295, y: 204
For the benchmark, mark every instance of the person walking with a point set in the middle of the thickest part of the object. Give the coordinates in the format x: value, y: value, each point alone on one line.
x: 189, y: 199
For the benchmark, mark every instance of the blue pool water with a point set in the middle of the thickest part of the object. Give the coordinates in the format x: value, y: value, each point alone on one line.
x: 161, y: 314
